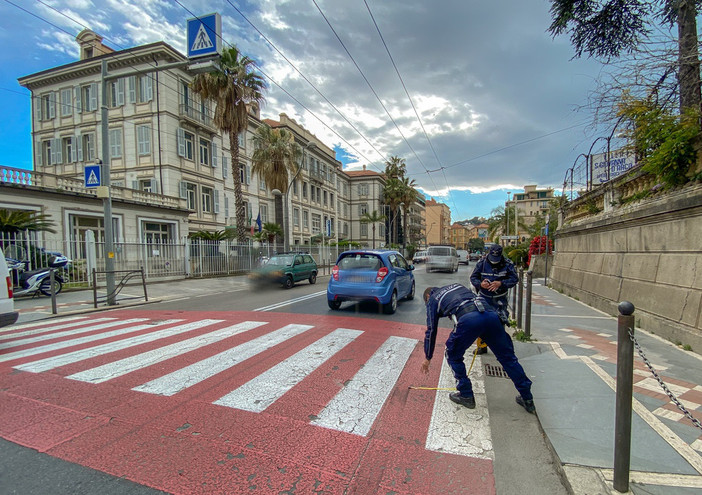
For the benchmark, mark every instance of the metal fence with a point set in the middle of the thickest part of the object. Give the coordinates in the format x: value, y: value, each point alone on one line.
x: 160, y: 260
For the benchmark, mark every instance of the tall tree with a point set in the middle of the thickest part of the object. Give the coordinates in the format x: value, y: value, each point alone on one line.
x: 372, y: 218
x: 276, y: 160
x: 392, y: 196
x: 408, y: 196
x: 608, y: 29
x: 13, y: 221
x: 234, y: 87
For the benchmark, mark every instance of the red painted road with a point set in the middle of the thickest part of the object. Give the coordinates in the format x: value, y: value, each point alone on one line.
x: 185, y: 444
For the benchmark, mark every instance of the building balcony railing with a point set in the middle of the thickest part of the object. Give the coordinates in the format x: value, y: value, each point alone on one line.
x: 192, y: 113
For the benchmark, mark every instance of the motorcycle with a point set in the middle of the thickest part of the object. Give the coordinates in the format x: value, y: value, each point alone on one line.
x: 33, y: 281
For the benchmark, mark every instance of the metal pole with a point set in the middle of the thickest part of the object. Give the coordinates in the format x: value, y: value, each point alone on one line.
x: 625, y: 384
x: 143, y: 283
x: 94, y: 288
x: 548, y: 219
x: 520, y: 290
x: 107, y: 201
x: 52, y: 278
x: 527, y: 316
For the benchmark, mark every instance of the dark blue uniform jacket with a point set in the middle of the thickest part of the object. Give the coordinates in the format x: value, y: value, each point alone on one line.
x: 505, y: 272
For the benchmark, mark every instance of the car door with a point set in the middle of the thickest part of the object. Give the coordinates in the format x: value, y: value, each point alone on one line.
x: 301, y: 269
x: 401, y: 271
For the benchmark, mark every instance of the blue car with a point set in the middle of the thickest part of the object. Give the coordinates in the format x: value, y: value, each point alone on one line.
x: 371, y: 275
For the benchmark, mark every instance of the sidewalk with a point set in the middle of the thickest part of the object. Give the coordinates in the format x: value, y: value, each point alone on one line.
x: 572, y: 362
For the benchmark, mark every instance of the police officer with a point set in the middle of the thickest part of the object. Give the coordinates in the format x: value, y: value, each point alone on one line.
x: 492, y: 277
x: 473, y: 317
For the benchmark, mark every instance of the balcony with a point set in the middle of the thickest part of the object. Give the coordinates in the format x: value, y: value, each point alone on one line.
x: 193, y: 114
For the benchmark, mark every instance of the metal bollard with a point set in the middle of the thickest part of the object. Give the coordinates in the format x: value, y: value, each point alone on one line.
x: 520, y: 296
x: 527, y: 316
x: 52, y: 278
x: 625, y: 384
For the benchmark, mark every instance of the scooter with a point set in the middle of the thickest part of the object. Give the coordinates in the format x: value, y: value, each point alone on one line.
x: 34, y: 281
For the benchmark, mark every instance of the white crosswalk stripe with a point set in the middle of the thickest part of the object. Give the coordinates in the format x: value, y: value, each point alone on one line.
x: 127, y: 365
x: 195, y: 373
x: 45, y: 329
x: 68, y: 333
x: 356, y: 406
x: 12, y: 329
x: 70, y: 343
x: 259, y: 393
x: 82, y: 354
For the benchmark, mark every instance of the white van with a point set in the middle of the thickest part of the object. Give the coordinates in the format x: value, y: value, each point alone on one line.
x: 443, y: 258
x: 463, y: 256
x: 8, y: 315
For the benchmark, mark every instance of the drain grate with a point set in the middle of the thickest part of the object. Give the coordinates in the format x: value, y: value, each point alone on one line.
x: 496, y: 371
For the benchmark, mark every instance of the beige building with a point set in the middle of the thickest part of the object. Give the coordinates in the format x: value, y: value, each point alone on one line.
x: 460, y: 235
x: 438, y: 223
x: 530, y: 205
x: 162, y: 141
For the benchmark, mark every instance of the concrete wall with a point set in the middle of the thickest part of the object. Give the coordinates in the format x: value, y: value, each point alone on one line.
x: 648, y: 253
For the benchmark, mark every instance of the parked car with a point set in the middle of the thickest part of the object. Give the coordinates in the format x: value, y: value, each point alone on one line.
x: 8, y: 315
x: 286, y: 269
x: 442, y: 258
x: 475, y: 256
x: 370, y: 275
x: 463, y: 256
x: 419, y: 257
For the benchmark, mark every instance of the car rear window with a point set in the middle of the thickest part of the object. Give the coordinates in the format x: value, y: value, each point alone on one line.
x: 439, y: 251
x: 360, y: 262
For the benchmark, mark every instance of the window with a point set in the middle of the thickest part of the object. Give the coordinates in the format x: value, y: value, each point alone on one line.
x: 304, y: 190
x: 306, y: 220
x: 48, y: 106
x: 140, y: 88
x: 87, y: 148
x: 185, y: 144
x: 147, y: 185
x: 115, y: 143
x: 157, y: 233
x: 316, y: 224
x: 204, y: 152
x: 294, y: 187
x: 48, y: 153
x: 115, y: 90
x: 66, y: 102
x: 68, y: 146
x: 362, y: 209
x: 207, y: 196
x: 363, y: 189
x: 144, y: 139
x: 325, y: 198
x: 88, y: 100
x: 241, y: 140
x: 331, y: 200
x: 364, y: 230
x: 296, y: 217
x: 188, y: 191
x: 244, y: 174
x: 263, y: 210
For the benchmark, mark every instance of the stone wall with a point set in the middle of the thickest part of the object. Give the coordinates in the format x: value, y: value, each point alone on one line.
x: 647, y: 252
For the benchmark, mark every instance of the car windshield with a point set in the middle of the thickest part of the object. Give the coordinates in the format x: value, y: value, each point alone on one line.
x: 360, y: 261
x: 281, y: 260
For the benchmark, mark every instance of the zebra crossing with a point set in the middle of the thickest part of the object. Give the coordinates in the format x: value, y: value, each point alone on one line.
x: 182, y: 354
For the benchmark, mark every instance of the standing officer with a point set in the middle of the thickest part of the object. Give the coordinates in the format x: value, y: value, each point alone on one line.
x: 492, y: 277
x: 473, y: 318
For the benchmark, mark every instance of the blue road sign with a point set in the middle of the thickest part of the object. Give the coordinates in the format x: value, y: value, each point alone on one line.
x: 328, y: 228
x: 205, y: 36
x: 92, y: 176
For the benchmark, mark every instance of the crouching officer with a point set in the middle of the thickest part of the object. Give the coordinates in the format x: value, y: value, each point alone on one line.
x: 473, y: 318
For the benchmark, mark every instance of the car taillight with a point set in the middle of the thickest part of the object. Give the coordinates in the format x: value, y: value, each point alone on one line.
x: 381, y: 274
x: 9, y: 287
x: 335, y: 273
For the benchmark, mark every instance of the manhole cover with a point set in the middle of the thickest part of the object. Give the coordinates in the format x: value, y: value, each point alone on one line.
x: 497, y: 371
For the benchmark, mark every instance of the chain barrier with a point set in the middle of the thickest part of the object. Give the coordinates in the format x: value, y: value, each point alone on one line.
x: 665, y: 388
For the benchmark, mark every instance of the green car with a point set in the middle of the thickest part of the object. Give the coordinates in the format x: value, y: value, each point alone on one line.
x: 286, y: 269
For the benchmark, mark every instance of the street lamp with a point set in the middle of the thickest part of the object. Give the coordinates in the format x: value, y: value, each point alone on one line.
x: 276, y: 192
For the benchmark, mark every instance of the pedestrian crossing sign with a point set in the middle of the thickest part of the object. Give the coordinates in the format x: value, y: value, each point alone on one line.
x: 92, y: 176
x: 204, y: 36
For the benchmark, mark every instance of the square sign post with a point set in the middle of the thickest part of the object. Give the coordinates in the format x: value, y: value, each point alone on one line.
x: 204, y: 36
x: 92, y: 176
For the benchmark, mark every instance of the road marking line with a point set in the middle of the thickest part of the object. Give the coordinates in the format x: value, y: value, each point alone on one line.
x: 78, y: 341
x: 127, y: 365
x: 67, y: 333
x: 259, y: 393
x: 290, y: 301
x: 183, y: 378
x: 14, y: 328
x: 355, y: 407
x: 456, y: 429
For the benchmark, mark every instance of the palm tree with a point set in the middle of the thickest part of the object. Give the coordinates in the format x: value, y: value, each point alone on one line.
x: 372, y: 218
x: 13, y: 221
x: 392, y: 196
x: 234, y: 86
x: 408, y: 196
x: 275, y: 159
x: 271, y: 231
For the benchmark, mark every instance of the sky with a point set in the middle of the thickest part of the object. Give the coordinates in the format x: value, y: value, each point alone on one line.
x: 475, y: 96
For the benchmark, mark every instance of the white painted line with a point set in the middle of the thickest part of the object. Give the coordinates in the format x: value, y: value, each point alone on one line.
x: 259, y: 393
x: 14, y: 328
x: 127, y: 365
x: 72, y: 342
x: 682, y: 448
x: 291, y: 301
x: 697, y: 444
x: 559, y: 351
x: 653, y: 385
x: 66, y: 333
x: 355, y: 407
x: 580, y: 317
x: 585, y: 346
x: 183, y: 378
x: 602, y: 334
x: 455, y: 429
x: 667, y: 414
x: 82, y: 354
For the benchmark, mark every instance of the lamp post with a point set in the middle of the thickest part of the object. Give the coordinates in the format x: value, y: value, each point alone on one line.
x: 276, y: 192
x: 507, y: 213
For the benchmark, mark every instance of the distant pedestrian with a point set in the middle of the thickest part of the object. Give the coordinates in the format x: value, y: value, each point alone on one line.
x: 473, y: 317
x: 492, y: 277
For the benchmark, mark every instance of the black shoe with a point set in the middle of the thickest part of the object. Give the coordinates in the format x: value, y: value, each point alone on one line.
x: 469, y: 402
x: 482, y: 350
x: 526, y: 404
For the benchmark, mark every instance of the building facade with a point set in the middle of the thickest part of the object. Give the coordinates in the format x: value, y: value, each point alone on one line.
x: 529, y: 205
x: 438, y: 223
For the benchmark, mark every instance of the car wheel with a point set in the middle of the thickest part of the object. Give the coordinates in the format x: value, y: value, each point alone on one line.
x: 313, y: 279
x: 333, y: 304
x: 391, y: 307
x: 288, y: 283
x: 45, y: 287
x: 410, y: 296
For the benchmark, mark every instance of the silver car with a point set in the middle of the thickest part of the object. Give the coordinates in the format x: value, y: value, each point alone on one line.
x: 442, y: 258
